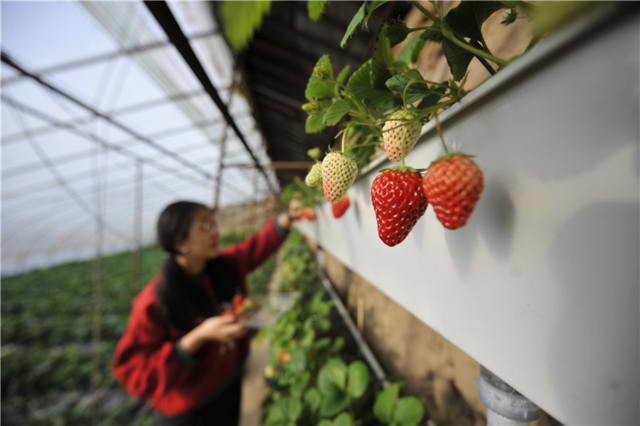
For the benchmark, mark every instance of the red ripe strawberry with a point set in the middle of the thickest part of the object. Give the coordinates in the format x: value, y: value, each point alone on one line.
x: 399, y: 202
x: 237, y: 300
x: 309, y: 213
x: 228, y: 313
x: 340, y: 207
x: 338, y: 173
x: 402, y: 134
x: 453, y: 185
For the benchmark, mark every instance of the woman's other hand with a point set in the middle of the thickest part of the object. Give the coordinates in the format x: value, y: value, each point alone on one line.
x: 218, y: 328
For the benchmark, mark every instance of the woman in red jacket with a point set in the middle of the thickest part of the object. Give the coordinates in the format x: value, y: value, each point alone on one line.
x: 177, y: 352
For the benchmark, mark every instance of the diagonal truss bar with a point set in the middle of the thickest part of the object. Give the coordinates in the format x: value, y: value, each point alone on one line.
x: 7, y: 60
x: 16, y: 137
x: 105, y: 57
x: 162, y: 13
x: 93, y: 138
x: 51, y: 167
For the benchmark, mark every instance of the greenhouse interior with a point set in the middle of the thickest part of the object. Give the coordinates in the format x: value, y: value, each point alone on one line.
x: 347, y: 213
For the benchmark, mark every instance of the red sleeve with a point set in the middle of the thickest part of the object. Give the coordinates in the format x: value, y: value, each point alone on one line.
x: 144, y: 361
x: 253, y: 251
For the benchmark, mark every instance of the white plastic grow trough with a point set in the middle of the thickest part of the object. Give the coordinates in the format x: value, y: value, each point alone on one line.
x: 542, y: 285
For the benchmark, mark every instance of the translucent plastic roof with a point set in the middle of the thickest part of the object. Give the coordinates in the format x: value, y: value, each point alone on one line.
x: 66, y: 169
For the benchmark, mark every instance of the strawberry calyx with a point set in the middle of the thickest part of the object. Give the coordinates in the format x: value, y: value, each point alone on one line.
x: 451, y: 155
x: 402, y: 169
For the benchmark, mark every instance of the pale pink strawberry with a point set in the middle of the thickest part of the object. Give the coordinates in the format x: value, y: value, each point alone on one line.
x: 406, y: 134
x: 314, y: 177
x: 338, y: 173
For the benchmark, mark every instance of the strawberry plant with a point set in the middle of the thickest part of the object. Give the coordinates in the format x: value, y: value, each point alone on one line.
x: 382, y: 106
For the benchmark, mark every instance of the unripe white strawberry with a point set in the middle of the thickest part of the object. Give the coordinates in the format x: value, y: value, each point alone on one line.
x: 314, y: 177
x: 338, y: 173
x: 405, y: 134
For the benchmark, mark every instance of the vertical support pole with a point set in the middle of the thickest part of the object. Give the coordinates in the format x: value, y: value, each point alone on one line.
x: 137, y: 230
x: 257, y: 219
x: 505, y: 405
x: 223, y: 145
x: 217, y: 189
x: 96, y: 323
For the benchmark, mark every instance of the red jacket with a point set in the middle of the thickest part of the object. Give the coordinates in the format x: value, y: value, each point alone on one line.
x: 145, y: 362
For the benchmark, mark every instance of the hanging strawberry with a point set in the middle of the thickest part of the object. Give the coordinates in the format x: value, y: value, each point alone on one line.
x: 453, y: 185
x: 338, y: 173
x: 314, y: 177
x: 399, y: 201
x: 341, y: 207
x: 398, y: 135
x: 309, y: 214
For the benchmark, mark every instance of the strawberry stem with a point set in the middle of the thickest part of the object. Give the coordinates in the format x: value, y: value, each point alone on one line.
x: 344, y: 134
x: 444, y: 143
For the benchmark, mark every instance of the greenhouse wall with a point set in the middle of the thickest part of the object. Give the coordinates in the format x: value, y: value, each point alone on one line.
x: 541, y: 285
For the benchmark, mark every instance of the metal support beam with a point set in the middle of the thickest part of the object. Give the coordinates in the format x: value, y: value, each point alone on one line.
x: 161, y: 11
x: 105, y: 57
x: 7, y: 60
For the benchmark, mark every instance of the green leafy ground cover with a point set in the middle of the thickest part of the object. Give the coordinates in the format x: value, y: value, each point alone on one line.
x: 46, y: 340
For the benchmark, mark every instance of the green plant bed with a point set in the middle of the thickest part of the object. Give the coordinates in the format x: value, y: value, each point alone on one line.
x: 315, y: 374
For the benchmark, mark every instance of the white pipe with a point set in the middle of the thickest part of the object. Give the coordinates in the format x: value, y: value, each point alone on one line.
x: 362, y: 344
x: 505, y: 405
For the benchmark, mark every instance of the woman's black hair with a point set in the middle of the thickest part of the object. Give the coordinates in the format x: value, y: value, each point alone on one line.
x: 179, y: 296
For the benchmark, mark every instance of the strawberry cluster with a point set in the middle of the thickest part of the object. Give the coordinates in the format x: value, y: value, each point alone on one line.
x: 242, y: 305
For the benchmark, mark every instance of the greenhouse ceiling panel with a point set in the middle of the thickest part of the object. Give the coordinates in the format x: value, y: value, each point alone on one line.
x: 104, y: 122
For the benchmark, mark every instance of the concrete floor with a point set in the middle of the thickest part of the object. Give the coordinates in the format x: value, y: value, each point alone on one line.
x: 254, y: 389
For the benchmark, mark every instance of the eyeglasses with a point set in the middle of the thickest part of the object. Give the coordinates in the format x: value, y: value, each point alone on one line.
x: 207, y: 226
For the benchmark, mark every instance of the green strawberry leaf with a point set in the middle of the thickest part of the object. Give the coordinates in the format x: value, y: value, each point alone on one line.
x: 385, y: 403
x: 353, y: 25
x: 360, y: 82
x: 370, y: 6
x: 240, y: 19
x: 405, y: 56
x: 396, y: 31
x: 468, y: 17
x: 332, y: 405
x: 325, y: 422
x: 343, y: 419
x: 300, y: 385
x: 316, y: 9
x: 358, y: 379
x: 364, y: 13
x: 332, y: 378
x: 298, y: 361
x: 433, y: 98
x: 308, y: 339
x: 337, y: 345
x: 285, y: 411
x: 408, y: 411
x: 417, y: 49
x: 343, y: 74
x: 382, y: 61
x: 314, y: 123
x: 416, y: 91
x: 433, y: 33
x: 312, y: 400
x: 457, y: 58
x: 317, y: 89
x: 322, y: 343
x: 336, y: 112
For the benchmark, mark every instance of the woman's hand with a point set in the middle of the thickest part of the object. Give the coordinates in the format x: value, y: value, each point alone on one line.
x: 218, y: 328
x: 294, y: 212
